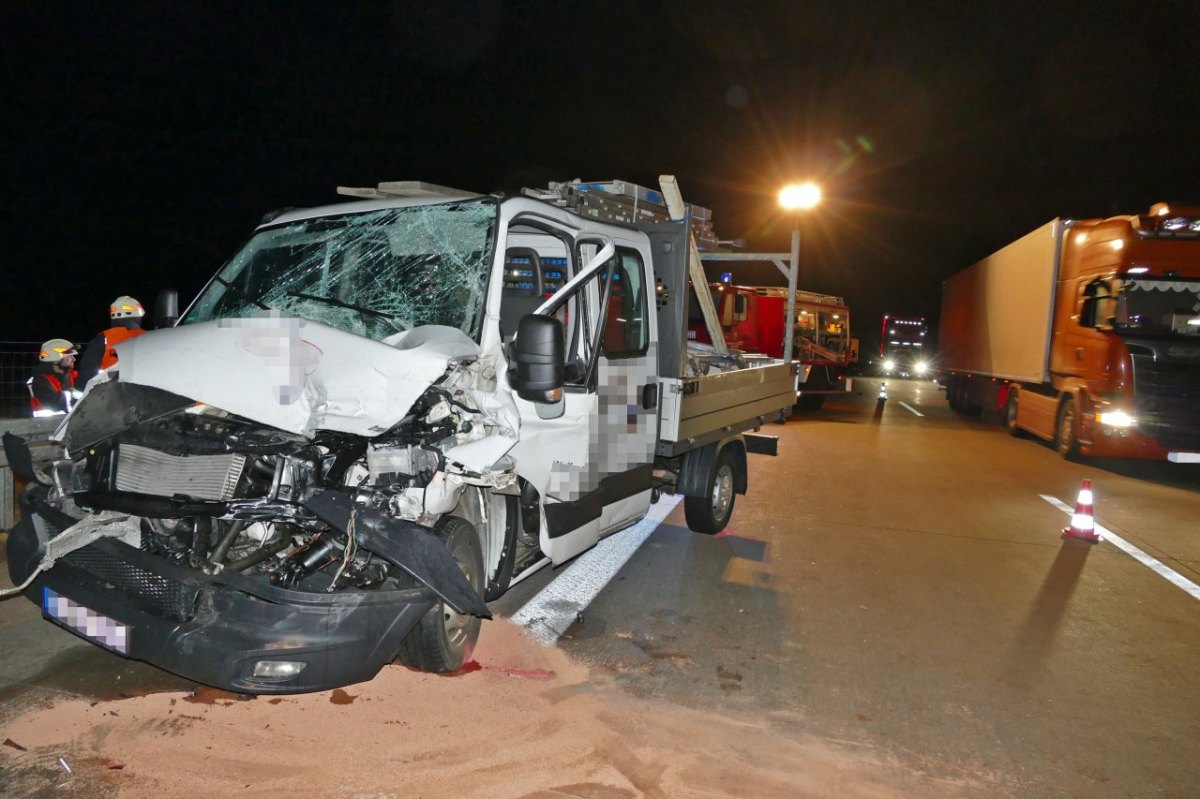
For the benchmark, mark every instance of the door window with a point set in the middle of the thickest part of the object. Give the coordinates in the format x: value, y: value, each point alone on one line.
x: 626, y: 316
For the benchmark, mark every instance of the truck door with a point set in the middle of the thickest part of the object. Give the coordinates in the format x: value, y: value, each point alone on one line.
x: 592, y: 464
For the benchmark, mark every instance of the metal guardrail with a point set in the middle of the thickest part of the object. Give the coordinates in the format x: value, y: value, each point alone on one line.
x: 37, y: 433
x: 17, y: 359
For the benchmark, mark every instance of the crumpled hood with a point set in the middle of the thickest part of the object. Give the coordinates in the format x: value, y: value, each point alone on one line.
x: 295, y: 374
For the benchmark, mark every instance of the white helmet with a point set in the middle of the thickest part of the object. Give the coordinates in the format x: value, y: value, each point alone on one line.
x: 55, y: 350
x: 126, y: 307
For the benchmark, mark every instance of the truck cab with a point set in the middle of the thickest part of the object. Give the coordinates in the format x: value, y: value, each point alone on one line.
x: 1126, y: 347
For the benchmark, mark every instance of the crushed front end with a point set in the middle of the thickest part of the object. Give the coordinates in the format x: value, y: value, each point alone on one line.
x: 244, y: 556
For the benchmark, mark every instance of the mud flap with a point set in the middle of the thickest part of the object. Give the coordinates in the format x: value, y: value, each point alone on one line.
x: 404, y: 544
x: 20, y: 459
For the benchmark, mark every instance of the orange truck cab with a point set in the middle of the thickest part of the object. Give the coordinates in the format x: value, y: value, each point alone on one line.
x: 1086, y: 334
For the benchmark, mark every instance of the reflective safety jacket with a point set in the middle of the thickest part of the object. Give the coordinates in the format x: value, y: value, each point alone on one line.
x: 51, y: 392
x: 100, y: 352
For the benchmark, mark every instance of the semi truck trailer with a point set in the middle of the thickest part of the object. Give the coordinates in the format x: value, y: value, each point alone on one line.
x: 1084, y: 333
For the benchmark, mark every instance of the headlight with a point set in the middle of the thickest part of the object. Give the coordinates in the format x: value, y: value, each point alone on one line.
x: 921, y: 367
x: 889, y: 365
x: 1116, y: 418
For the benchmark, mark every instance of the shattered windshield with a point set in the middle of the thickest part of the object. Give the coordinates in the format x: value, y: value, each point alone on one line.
x: 374, y: 273
x: 1159, y: 306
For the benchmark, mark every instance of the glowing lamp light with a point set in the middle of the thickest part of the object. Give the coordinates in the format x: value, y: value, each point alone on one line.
x: 800, y: 196
x: 1116, y: 418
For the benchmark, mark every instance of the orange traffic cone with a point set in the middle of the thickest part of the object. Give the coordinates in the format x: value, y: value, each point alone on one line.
x: 1083, y: 524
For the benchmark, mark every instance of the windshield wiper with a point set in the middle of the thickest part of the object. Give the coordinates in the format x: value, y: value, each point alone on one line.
x: 390, y: 318
x: 238, y: 291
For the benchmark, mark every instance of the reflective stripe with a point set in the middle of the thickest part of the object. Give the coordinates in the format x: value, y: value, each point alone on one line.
x: 1081, y: 521
x: 1085, y: 497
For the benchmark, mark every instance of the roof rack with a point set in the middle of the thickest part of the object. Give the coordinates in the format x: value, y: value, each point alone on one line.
x: 392, y: 189
x: 624, y: 202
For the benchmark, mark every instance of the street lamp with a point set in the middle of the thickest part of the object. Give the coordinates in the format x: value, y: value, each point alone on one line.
x: 800, y: 196
x: 796, y: 197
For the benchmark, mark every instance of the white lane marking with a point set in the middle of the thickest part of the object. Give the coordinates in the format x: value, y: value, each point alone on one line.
x: 911, y: 408
x: 1162, y: 570
x: 548, y: 614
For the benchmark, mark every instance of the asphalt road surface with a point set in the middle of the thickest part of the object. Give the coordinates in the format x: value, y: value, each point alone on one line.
x: 894, y: 582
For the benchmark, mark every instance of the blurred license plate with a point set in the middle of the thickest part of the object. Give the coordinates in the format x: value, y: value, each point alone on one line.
x: 108, y: 633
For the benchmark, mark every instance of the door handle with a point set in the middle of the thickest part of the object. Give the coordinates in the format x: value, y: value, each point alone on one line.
x: 1079, y: 353
x: 650, y: 396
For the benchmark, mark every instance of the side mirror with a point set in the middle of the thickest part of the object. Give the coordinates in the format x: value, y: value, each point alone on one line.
x: 537, y: 354
x: 166, y: 308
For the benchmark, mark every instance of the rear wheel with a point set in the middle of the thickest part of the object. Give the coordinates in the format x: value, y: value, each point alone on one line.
x: 710, y: 513
x: 954, y: 394
x: 962, y: 399
x: 444, y: 639
x: 806, y: 403
x: 1065, y: 439
x: 818, y: 380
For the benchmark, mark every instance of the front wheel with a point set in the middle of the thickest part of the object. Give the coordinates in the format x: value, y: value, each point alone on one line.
x: 1065, y: 439
x: 710, y: 513
x: 1010, y: 414
x: 443, y: 640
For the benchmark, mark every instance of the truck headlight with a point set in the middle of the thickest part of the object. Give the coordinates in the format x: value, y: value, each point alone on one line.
x: 1116, y: 418
x: 921, y: 367
x: 889, y: 365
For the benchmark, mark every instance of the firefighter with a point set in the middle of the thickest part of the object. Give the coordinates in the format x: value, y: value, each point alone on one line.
x: 126, y: 314
x: 52, y: 388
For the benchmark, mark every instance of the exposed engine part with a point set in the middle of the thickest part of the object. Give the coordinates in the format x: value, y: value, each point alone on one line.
x: 259, y: 555
x: 220, y: 493
x: 322, y: 551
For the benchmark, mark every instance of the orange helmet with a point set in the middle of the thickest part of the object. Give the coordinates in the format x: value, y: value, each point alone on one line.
x: 126, y: 307
x: 55, y: 350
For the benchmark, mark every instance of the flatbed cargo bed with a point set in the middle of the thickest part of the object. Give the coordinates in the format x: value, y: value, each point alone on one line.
x: 699, y: 410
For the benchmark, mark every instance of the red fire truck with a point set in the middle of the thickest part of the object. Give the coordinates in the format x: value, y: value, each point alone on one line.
x: 753, y: 318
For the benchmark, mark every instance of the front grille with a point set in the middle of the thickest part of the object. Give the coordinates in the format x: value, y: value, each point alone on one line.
x: 1167, y: 399
x: 156, y: 593
x: 141, y: 470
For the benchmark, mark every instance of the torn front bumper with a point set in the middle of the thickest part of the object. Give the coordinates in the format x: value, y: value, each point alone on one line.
x: 213, y: 629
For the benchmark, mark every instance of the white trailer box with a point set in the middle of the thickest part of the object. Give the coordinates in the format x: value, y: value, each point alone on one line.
x: 997, y: 314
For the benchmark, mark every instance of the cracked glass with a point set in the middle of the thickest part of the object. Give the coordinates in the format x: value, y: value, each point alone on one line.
x: 373, y: 273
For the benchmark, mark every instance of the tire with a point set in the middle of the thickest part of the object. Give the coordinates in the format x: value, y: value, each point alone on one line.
x: 807, y: 403
x: 1066, y: 442
x: 710, y: 513
x: 442, y: 641
x: 954, y: 395
x: 818, y: 380
x: 1010, y: 414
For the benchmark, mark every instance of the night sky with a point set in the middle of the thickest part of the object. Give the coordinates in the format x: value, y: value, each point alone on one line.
x: 144, y: 142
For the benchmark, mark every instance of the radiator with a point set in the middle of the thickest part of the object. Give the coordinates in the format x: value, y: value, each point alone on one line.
x: 147, y: 471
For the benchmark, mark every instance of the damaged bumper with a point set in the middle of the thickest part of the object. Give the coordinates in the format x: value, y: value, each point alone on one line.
x: 227, y: 630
